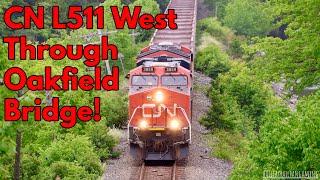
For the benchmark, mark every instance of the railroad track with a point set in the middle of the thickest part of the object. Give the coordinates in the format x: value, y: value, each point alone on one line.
x: 164, y: 171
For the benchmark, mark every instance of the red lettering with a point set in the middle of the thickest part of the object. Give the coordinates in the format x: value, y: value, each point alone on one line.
x: 57, y: 56
x: 97, y: 116
x: 106, y: 47
x: 92, y: 54
x: 38, y: 19
x: 65, y: 78
x: 11, y: 46
x: 171, y: 19
x: 74, y: 13
x: 51, y: 113
x: 7, y: 79
x: 86, y: 83
x: 77, y: 55
x: 84, y: 113
x: 56, y: 20
x: 88, y: 12
x: 99, y: 13
x: 35, y: 79
x: 51, y: 82
x: 40, y: 49
x: 25, y: 113
x: 68, y: 115
x: 97, y: 74
x: 161, y: 21
x: 69, y: 81
x: 8, y: 14
x: 111, y: 82
x: 28, y: 16
x: 125, y: 17
x: 11, y: 109
x: 24, y: 47
x: 146, y: 21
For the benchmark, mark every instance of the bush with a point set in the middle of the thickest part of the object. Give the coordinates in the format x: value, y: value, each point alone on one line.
x: 238, y: 101
x: 6, y: 166
x: 65, y: 157
x: 247, y: 17
x: 212, y: 61
x: 288, y: 141
x: 238, y: 98
x: 213, y: 118
x: 235, y: 50
x: 30, y: 165
x: 102, y: 141
x: 226, y: 145
x: 215, y: 29
x: 250, y: 94
x: 114, y: 106
x: 66, y: 170
x: 218, y: 5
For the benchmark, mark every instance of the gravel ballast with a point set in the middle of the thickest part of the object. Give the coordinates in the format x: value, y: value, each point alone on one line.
x: 200, y: 165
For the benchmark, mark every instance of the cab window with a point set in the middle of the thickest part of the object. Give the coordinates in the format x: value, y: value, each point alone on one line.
x: 144, y: 80
x: 174, y: 80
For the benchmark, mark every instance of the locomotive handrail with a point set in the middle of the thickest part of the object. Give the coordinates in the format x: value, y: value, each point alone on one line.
x: 185, y: 114
x: 128, y: 127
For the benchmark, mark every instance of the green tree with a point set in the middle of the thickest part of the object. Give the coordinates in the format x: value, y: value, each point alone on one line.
x: 71, y: 152
x: 217, y: 6
x: 4, y: 4
x: 247, y: 17
x: 148, y: 6
x: 296, y: 59
x: 212, y: 61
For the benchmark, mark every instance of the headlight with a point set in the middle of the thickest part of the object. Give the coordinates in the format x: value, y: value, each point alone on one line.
x: 174, y: 124
x: 159, y: 97
x: 143, y: 124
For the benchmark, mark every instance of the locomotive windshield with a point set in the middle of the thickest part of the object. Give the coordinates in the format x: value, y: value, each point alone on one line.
x: 144, y: 80
x: 174, y: 80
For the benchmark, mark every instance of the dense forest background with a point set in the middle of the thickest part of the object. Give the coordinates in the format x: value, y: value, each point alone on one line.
x: 264, y: 59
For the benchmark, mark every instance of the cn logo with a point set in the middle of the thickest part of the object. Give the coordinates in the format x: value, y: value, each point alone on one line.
x: 161, y: 108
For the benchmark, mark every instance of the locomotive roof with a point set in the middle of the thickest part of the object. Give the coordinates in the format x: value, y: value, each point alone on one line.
x: 161, y: 64
x: 170, y: 48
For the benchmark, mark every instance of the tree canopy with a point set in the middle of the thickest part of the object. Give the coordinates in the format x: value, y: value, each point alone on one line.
x: 247, y: 17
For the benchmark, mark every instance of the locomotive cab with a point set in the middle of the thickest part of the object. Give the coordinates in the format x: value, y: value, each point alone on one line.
x: 166, y: 52
x: 184, y: 62
x: 159, y: 127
